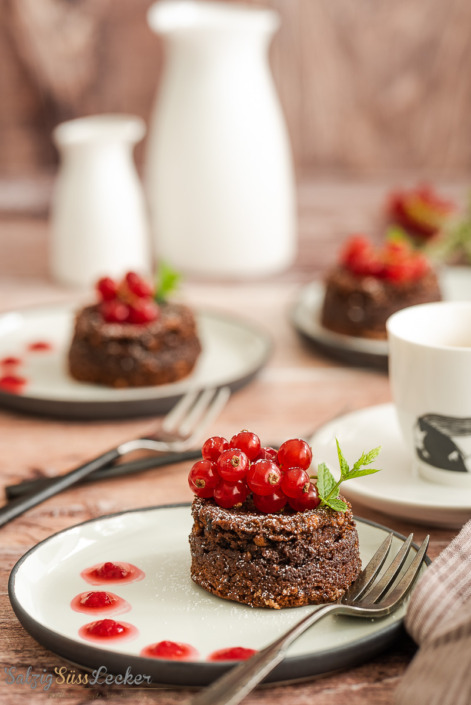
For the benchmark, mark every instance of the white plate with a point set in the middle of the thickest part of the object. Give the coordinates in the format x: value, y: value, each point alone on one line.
x: 305, y: 316
x: 167, y: 605
x: 234, y: 350
x: 397, y: 490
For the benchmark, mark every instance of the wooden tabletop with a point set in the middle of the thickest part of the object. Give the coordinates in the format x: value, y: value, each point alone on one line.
x: 295, y: 393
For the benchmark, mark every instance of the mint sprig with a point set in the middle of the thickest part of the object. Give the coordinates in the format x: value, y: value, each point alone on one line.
x: 167, y: 281
x: 328, y: 487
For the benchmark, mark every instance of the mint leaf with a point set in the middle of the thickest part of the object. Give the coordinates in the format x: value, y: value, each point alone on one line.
x: 361, y: 473
x: 366, y: 458
x: 328, y: 488
x: 325, y: 482
x: 167, y: 282
x: 344, y: 469
x: 338, y: 505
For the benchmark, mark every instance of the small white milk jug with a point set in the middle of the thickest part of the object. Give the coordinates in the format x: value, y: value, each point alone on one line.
x: 99, y: 219
x: 219, y: 174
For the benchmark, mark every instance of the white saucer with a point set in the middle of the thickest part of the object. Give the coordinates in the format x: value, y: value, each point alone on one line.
x: 397, y: 490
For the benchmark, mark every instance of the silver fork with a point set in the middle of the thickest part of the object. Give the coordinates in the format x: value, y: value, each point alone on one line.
x: 366, y: 597
x: 179, y: 430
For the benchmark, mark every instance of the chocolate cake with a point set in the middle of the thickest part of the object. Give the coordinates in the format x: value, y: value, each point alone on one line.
x: 360, y: 305
x: 124, y: 354
x: 280, y: 560
x: 370, y: 284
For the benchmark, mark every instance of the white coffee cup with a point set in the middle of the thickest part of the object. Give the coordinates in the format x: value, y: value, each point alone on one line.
x: 430, y: 377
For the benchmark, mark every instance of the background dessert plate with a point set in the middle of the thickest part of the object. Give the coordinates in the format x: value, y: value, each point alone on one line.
x: 167, y: 605
x: 305, y: 316
x: 397, y: 490
x: 234, y: 350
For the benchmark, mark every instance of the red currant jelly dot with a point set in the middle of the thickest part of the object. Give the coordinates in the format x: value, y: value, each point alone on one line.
x: 213, y: 447
x: 93, y: 602
x: 112, y: 573
x: 247, y: 442
x: 171, y: 650
x: 234, y: 653
x: 295, y: 453
x: 203, y: 478
x: 39, y: 346
x: 107, y: 629
x: 13, y: 383
x: 232, y: 465
x: 10, y: 362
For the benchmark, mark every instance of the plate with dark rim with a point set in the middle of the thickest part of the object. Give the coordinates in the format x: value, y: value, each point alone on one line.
x: 234, y: 350
x: 167, y: 605
x: 305, y: 316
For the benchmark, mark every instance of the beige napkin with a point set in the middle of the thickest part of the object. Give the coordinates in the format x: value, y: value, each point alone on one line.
x: 439, y: 620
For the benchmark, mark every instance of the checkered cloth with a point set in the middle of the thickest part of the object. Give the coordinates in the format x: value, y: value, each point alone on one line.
x: 439, y: 620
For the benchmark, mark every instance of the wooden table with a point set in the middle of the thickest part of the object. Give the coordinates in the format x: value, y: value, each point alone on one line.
x: 296, y: 392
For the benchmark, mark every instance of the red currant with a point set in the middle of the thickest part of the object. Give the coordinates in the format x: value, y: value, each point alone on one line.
x: 268, y: 454
x: 203, y: 478
x: 263, y: 477
x: 228, y: 494
x: 294, y: 481
x: 248, y: 442
x: 306, y: 500
x: 232, y: 465
x: 213, y: 447
x: 138, y: 286
x: 114, y: 311
x: 143, y: 311
x: 270, y: 503
x: 107, y: 288
x: 295, y: 453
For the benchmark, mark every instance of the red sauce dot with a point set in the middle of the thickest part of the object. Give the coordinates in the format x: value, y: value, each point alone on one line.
x: 39, y: 346
x: 10, y: 361
x: 107, y: 629
x: 170, y: 650
x: 234, y: 653
x: 93, y: 602
x: 109, y: 572
x: 13, y: 383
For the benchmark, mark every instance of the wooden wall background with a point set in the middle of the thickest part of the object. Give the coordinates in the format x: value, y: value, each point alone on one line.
x: 367, y: 86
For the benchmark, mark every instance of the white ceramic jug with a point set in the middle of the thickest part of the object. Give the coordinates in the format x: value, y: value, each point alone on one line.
x: 99, y: 219
x: 219, y: 173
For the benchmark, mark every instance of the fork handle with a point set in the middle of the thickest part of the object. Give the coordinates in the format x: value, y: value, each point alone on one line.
x: 18, y: 506
x: 233, y: 686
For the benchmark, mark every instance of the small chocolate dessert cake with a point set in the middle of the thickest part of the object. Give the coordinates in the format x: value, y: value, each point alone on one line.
x: 125, y: 354
x: 280, y: 560
x: 360, y: 305
x: 370, y: 284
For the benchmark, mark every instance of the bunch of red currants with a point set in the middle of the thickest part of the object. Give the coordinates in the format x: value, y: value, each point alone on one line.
x: 232, y: 470
x: 130, y: 300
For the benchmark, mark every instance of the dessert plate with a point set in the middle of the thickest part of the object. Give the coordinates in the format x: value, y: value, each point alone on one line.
x: 234, y: 351
x: 167, y: 605
x: 305, y: 316
x: 397, y: 490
